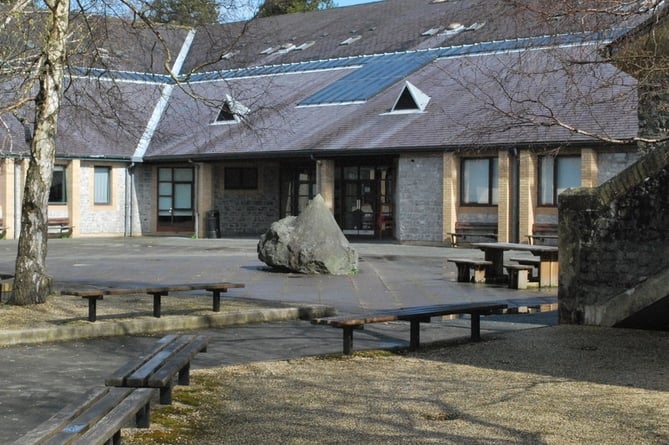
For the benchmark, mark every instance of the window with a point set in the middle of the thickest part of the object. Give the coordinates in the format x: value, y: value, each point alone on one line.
x: 58, y: 191
x: 480, y: 178
x: 241, y: 178
x: 556, y: 174
x: 410, y: 100
x: 231, y: 111
x: 102, y: 185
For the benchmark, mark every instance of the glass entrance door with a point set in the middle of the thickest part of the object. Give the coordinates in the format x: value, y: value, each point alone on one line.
x: 363, y: 200
x: 175, y: 199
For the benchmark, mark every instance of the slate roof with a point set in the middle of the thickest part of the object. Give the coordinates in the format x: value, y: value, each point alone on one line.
x: 333, y: 98
x: 462, y: 90
x: 389, y: 26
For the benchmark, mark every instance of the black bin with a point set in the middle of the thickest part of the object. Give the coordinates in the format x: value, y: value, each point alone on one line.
x: 213, y: 224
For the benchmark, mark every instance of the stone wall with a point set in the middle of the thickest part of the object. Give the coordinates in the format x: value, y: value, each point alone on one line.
x: 419, y: 199
x: 614, y: 246
x: 248, y: 212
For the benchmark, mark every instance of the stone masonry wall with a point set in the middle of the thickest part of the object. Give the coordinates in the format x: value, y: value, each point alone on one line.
x: 420, y: 200
x: 614, y: 244
x: 248, y: 212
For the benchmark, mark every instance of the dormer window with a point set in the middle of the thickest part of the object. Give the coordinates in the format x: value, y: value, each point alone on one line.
x: 231, y: 111
x: 410, y: 100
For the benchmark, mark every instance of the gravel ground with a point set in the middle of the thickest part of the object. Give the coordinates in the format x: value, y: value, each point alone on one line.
x: 553, y: 385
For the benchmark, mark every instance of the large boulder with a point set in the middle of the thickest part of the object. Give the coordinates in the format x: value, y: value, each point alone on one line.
x: 311, y: 243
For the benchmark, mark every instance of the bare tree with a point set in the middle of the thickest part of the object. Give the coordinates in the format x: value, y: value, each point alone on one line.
x: 36, y: 68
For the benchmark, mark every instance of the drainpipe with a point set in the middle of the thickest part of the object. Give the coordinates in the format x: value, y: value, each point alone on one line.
x: 196, y: 196
x: 129, y: 189
x: 515, y: 195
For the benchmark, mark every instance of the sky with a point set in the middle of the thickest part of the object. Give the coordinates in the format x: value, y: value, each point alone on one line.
x: 352, y: 2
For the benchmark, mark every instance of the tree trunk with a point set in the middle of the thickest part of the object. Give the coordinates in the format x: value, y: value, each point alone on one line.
x: 32, y: 284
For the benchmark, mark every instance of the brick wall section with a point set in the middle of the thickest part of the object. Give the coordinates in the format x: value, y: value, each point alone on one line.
x: 504, y: 206
x: 613, y: 238
x: 420, y: 198
x: 96, y: 219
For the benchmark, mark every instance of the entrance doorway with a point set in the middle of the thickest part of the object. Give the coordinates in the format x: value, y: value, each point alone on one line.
x: 175, y: 199
x: 298, y: 187
x: 364, y: 200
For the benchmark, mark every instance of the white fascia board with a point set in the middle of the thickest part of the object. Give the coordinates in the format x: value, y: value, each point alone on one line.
x: 161, y: 105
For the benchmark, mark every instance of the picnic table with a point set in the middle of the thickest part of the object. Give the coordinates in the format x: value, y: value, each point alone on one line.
x: 548, y: 260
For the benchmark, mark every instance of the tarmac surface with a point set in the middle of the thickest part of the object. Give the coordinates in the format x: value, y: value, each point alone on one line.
x: 41, y: 378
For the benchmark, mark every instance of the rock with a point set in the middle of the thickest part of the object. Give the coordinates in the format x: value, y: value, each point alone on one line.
x: 311, y: 243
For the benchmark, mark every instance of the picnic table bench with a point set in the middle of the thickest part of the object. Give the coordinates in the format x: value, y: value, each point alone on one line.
x: 97, y: 419
x: 414, y: 315
x: 472, y: 230
x: 93, y: 295
x: 169, y: 357
x: 465, y: 264
x: 59, y: 227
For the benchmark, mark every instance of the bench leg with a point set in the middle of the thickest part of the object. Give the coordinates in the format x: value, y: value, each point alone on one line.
x: 184, y: 375
x: 479, y: 274
x: 157, y: 303
x: 143, y: 417
x: 217, y: 299
x: 348, y: 340
x: 463, y: 273
x: 92, y: 309
x: 414, y: 338
x: 475, y: 326
x: 166, y: 395
x: 522, y: 279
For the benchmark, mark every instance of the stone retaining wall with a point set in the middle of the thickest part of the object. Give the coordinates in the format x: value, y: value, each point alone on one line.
x: 614, y: 247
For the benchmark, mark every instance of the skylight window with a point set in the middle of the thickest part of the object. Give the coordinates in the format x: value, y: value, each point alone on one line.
x: 410, y: 100
x: 431, y: 32
x: 350, y: 40
x: 231, y: 111
x: 305, y: 45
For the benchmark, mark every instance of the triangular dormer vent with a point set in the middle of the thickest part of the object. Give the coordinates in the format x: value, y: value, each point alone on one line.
x: 410, y: 100
x: 231, y: 111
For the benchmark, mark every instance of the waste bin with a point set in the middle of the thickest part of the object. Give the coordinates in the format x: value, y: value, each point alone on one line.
x: 213, y: 224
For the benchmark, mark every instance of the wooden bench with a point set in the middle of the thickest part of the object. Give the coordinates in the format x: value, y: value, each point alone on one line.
x: 465, y: 264
x: 544, y: 234
x: 519, y: 275
x: 473, y: 232
x: 93, y: 295
x: 414, y: 315
x: 97, y: 419
x: 170, y: 357
x: 59, y: 227
x: 5, y: 285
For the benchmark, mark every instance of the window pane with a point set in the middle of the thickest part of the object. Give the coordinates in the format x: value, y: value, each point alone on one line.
x: 182, y: 196
x: 546, y: 175
x: 165, y: 174
x: 475, y: 181
x: 183, y: 174
x: 101, y: 185
x: 57, y: 191
x: 568, y: 173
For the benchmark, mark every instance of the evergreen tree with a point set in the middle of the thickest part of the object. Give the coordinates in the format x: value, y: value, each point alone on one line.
x: 184, y: 12
x: 279, y: 7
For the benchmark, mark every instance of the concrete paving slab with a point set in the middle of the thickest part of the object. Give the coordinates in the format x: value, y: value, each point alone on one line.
x: 39, y: 379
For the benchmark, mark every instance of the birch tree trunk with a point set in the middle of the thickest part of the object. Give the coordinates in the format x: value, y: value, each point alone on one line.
x: 32, y: 284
